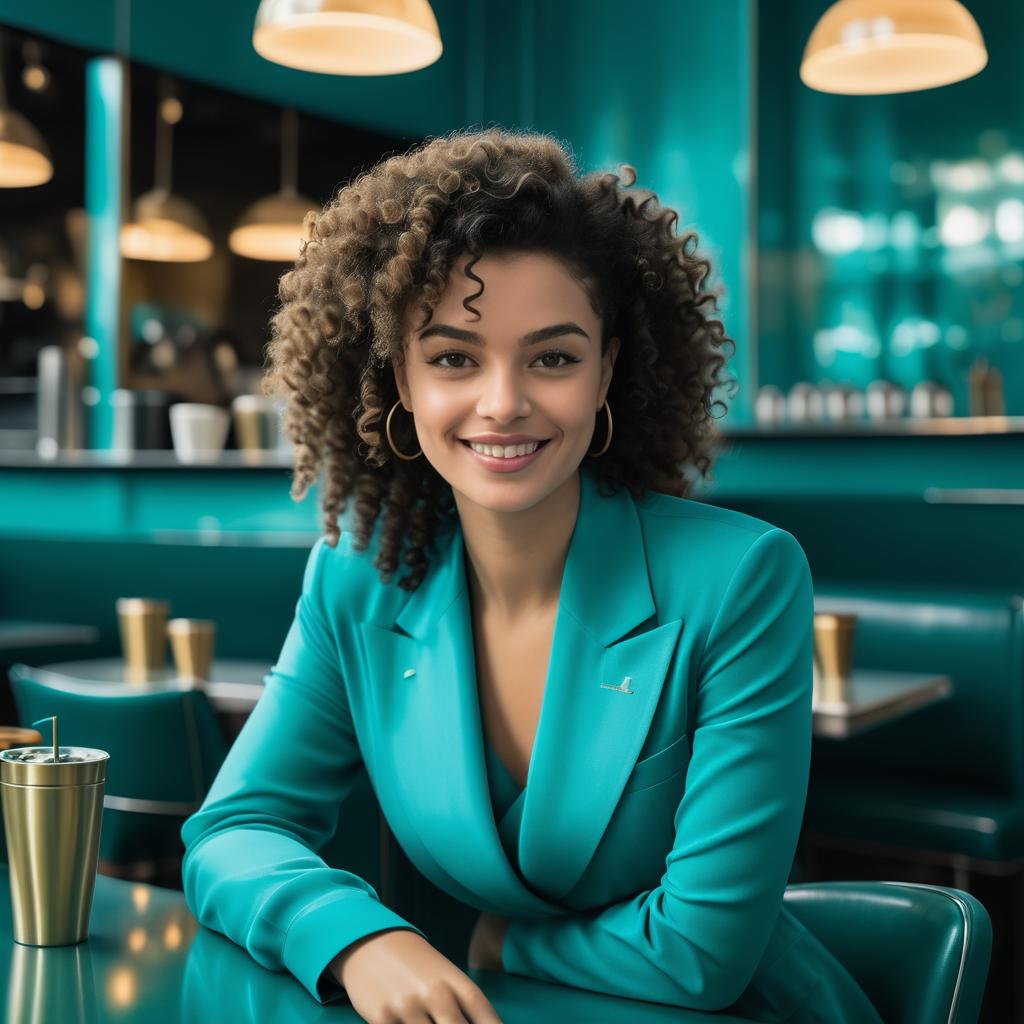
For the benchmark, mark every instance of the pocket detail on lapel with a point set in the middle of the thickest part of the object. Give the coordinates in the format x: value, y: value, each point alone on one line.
x: 660, y: 765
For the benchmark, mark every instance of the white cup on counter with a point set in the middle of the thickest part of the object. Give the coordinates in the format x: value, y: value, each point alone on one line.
x: 199, y: 431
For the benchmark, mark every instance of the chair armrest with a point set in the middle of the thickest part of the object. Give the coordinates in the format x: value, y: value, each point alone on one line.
x: 920, y: 952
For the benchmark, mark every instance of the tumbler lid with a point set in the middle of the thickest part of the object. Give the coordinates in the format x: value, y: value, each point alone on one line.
x: 35, y: 766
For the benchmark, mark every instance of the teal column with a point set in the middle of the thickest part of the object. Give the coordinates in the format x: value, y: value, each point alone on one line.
x: 104, y: 112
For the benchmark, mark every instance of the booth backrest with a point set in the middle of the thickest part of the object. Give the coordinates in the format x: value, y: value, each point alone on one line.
x: 975, y: 738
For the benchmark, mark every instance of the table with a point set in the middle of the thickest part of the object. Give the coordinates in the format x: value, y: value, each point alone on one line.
x: 148, y: 961
x: 877, y: 697
x: 234, y: 686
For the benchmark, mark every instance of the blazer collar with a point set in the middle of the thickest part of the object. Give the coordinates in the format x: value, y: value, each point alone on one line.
x: 588, y: 737
x: 608, y: 597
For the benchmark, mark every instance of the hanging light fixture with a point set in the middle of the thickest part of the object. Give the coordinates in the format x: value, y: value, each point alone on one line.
x: 24, y: 156
x: 863, y: 47
x: 164, y: 226
x: 348, y: 37
x: 271, y: 227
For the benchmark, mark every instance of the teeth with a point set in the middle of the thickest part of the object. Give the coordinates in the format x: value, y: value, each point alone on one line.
x: 505, y: 453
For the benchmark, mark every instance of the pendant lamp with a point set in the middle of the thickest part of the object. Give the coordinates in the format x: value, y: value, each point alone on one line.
x: 348, y: 37
x: 164, y: 226
x: 861, y: 47
x: 271, y: 227
x: 24, y: 156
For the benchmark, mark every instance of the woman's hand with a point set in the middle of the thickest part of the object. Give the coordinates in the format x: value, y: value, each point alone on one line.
x: 399, y: 977
x: 486, y: 941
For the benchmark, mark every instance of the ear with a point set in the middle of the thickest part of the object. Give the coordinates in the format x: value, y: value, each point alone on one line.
x: 607, y: 363
x: 401, y: 382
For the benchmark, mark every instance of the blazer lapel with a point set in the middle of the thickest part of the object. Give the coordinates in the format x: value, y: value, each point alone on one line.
x: 588, y: 737
x: 430, y: 720
x: 591, y: 728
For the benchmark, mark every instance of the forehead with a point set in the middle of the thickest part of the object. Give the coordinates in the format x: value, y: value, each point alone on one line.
x: 521, y: 286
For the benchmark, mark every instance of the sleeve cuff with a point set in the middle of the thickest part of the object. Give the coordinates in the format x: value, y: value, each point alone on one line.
x: 319, y: 934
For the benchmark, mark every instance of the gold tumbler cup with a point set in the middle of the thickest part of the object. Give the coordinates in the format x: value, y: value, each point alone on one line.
x: 192, y: 642
x: 53, y: 811
x: 143, y: 623
x: 833, y: 655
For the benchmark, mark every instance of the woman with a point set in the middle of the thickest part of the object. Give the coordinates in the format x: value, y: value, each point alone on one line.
x: 586, y: 709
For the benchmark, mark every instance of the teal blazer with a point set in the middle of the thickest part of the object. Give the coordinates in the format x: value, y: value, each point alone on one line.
x: 665, y: 790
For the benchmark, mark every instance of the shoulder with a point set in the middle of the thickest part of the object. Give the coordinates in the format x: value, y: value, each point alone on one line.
x: 691, y: 545
x: 683, y: 525
x: 345, y: 576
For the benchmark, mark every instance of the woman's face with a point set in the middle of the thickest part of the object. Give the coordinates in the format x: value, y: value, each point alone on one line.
x: 466, y: 378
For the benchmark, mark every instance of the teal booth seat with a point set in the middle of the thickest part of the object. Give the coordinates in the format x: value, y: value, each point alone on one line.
x: 165, y: 749
x: 920, y: 952
x: 946, y: 780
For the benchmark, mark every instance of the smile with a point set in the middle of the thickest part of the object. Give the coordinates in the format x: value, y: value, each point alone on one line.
x: 504, y: 463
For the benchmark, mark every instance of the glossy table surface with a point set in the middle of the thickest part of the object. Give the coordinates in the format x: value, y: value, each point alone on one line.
x: 148, y: 961
x: 235, y: 684
x: 872, y: 698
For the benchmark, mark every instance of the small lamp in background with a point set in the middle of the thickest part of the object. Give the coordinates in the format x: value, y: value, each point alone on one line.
x: 271, y: 227
x: 861, y: 47
x: 164, y: 226
x: 24, y: 156
x: 348, y: 37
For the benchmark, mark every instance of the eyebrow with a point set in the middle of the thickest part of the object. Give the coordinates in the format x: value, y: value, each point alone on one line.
x: 460, y: 334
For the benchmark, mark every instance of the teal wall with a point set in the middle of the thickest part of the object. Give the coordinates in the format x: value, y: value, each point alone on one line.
x: 667, y: 91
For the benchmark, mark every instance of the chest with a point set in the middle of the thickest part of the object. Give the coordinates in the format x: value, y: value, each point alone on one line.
x: 512, y: 669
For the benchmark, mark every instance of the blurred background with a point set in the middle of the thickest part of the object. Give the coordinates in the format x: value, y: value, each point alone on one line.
x: 866, y: 233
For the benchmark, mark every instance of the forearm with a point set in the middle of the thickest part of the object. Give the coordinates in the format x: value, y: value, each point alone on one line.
x: 628, y: 950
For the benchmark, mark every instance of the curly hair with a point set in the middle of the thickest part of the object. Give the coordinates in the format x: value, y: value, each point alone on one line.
x: 392, y: 236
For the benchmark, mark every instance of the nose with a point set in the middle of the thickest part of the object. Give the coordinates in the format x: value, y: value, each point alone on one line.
x: 503, y: 396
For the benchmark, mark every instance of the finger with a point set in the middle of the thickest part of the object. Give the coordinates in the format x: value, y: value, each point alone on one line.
x: 475, y: 1004
x: 410, y: 1013
x: 444, y: 1007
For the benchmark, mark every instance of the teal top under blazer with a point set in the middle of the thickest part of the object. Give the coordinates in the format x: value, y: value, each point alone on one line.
x: 647, y: 855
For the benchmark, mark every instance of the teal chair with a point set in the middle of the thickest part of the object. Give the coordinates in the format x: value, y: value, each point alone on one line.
x: 165, y: 749
x: 920, y: 952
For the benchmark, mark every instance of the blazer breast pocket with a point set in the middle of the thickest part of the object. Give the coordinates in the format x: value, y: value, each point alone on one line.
x: 661, y: 765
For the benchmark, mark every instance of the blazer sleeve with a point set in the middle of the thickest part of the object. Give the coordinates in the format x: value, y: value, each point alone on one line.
x: 249, y: 870
x: 696, y: 939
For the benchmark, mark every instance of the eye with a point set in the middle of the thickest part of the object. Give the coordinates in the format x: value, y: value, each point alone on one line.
x: 453, y: 353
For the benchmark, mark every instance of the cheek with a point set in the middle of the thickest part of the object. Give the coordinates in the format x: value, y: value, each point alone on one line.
x: 438, y: 408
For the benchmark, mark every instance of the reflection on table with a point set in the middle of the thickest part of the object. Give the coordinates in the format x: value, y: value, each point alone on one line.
x: 235, y: 685
x: 873, y: 698
x: 148, y: 961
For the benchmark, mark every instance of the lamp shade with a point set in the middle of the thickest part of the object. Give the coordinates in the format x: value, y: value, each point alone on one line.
x: 348, y: 37
x: 863, y: 47
x: 271, y: 227
x: 165, y: 227
x: 24, y: 157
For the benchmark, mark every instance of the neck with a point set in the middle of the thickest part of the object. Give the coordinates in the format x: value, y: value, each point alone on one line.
x: 515, y: 560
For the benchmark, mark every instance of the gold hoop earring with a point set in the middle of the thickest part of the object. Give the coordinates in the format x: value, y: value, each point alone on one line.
x: 608, y: 439
x: 387, y: 430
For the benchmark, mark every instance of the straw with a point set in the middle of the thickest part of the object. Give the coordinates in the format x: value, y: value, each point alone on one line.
x: 56, y: 748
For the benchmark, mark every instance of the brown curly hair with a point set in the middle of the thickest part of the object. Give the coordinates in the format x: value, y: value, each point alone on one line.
x: 392, y: 236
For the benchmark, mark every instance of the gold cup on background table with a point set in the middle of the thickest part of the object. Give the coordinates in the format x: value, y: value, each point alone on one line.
x: 833, y: 655
x: 192, y: 643
x: 53, y: 809
x: 143, y: 624
x: 257, y: 426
